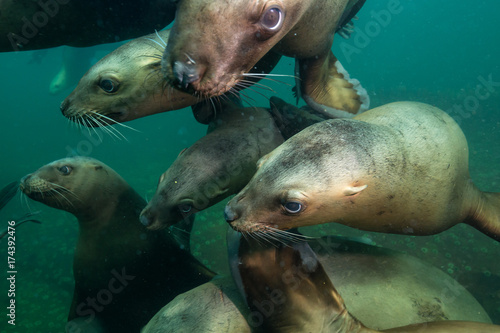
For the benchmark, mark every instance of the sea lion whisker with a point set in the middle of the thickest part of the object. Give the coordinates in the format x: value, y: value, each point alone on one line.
x: 290, y: 235
x: 107, y: 129
x: 66, y: 190
x: 101, y: 125
x: 248, y: 83
x: 251, y: 88
x: 21, y: 196
x: 160, y: 38
x: 93, y: 128
x: 270, y: 238
x: 255, y: 237
x: 247, y: 97
x: 58, y: 195
x: 162, y: 46
x: 87, y: 125
x: 115, y: 122
x: 266, y: 75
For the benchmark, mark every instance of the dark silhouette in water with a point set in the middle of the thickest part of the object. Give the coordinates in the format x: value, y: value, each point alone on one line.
x: 7, y: 193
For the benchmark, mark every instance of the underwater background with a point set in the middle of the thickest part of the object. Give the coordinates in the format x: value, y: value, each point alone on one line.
x: 436, y: 52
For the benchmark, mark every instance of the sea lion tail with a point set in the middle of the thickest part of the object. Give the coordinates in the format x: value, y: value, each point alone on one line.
x: 485, y: 217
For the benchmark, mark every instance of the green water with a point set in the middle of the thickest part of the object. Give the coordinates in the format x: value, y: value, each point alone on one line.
x: 436, y: 52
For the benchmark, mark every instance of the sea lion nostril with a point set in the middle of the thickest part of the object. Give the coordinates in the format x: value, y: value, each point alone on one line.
x: 185, y: 73
x: 144, y: 220
x: 229, y: 214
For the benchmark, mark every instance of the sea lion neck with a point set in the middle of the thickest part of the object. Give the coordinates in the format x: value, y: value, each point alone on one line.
x: 116, y: 213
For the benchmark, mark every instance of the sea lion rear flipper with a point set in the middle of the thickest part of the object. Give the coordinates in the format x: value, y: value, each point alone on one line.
x: 485, y: 217
x: 290, y: 119
x: 327, y: 87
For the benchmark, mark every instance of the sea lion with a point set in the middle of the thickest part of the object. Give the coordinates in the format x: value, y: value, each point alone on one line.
x: 30, y: 25
x: 213, y: 45
x: 127, y: 84
x: 123, y: 273
x: 400, y: 168
x: 216, y: 166
x: 381, y: 287
x: 288, y: 290
x: 124, y: 85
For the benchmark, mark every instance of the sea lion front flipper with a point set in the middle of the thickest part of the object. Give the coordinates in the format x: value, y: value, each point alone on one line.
x: 327, y: 87
x: 8, y: 192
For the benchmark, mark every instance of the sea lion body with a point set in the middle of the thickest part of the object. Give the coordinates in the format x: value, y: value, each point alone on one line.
x: 399, y: 168
x: 213, y: 45
x: 124, y: 85
x: 123, y: 272
x: 216, y: 166
x: 381, y: 287
x: 30, y: 25
x: 286, y: 284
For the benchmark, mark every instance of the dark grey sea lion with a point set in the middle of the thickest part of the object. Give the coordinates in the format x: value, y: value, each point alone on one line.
x: 32, y: 25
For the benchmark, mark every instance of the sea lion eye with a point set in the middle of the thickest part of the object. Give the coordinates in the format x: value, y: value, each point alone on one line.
x: 185, y: 208
x: 272, y: 18
x: 108, y: 85
x: 292, y: 207
x: 65, y: 170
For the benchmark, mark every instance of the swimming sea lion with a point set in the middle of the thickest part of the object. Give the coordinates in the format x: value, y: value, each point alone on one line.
x: 31, y: 25
x: 400, y: 168
x: 127, y: 84
x: 213, y: 45
x: 124, y: 85
x: 288, y: 290
x: 123, y: 273
x: 381, y: 287
x: 216, y: 166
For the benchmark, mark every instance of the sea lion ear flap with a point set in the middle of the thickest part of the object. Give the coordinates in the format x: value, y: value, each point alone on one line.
x: 352, y: 190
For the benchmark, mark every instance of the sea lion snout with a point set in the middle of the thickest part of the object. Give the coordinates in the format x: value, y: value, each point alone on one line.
x: 151, y: 219
x: 64, y: 106
x: 23, y: 182
x: 230, y: 214
x: 185, y: 73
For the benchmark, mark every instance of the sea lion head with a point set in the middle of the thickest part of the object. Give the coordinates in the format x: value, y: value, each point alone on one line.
x: 82, y: 186
x: 315, y: 175
x: 199, y: 178
x: 214, y: 43
x: 124, y: 85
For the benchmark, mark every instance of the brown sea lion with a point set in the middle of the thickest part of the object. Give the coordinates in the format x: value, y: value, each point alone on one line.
x: 31, y: 25
x: 381, y: 287
x: 215, y: 44
x: 124, y: 85
x: 127, y: 84
x: 400, y: 168
x: 288, y: 290
x: 123, y: 273
x: 216, y: 166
